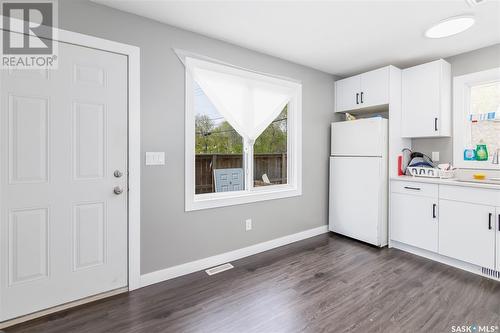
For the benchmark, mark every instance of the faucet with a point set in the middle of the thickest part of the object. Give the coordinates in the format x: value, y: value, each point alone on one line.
x: 495, y: 156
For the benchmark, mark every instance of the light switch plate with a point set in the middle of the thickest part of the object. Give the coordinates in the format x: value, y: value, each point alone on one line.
x: 248, y: 224
x: 155, y: 158
x: 435, y: 156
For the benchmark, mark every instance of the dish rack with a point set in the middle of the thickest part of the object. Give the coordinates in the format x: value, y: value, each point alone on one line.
x: 430, y: 172
x: 446, y: 174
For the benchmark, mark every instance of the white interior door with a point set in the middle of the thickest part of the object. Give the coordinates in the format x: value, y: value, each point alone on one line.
x: 63, y: 230
x: 355, y: 197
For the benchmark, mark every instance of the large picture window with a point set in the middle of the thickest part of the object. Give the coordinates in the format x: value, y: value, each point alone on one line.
x: 243, y: 136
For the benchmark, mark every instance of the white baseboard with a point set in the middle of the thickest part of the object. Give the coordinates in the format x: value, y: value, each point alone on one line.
x: 42, y: 313
x: 198, y: 265
x: 440, y: 258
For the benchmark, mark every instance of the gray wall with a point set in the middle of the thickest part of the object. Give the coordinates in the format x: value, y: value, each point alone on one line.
x: 170, y: 236
x: 474, y: 61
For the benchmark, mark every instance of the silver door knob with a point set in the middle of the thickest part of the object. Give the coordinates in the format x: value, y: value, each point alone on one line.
x: 118, y: 173
x: 118, y: 190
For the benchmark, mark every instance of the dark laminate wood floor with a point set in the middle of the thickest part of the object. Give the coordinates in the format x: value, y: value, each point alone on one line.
x: 324, y: 284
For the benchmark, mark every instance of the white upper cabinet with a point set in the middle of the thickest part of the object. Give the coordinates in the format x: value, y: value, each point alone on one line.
x: 365, y: 90
x: 375, y: 87
x: 347, y: 93
x: 426, y: 99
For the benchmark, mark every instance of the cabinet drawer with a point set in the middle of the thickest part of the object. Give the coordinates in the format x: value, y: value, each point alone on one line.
x: 469, y: 194
x: 414, y: 188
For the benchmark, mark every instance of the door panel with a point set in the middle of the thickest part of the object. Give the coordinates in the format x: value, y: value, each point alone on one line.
x: 28, y: 245
x: 89, y: 232
x: 414, y: 221
x: 464, y: 232
x: 355, y: 191
x: 28, y: 139
x: 375, y: 87
x: 346, y: 90
x: 89, y: 133
x: 63, y: 231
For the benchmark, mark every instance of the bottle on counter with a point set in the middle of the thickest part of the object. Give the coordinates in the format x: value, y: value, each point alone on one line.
x: 469, y: 154
x: 481, y: 151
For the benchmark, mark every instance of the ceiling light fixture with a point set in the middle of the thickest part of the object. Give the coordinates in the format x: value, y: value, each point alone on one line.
x: 449, y: 27
x: 473, y: 3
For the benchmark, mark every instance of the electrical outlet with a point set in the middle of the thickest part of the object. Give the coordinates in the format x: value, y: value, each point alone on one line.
x: 248, y: 225
x: 435, y: 156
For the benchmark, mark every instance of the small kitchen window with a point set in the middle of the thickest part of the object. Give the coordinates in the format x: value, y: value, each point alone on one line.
x: 476, y: 136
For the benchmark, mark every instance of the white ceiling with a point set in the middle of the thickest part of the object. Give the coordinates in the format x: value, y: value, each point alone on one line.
x: 338, y: 37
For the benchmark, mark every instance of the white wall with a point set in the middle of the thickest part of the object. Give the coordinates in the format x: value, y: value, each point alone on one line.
x: 170, y: 236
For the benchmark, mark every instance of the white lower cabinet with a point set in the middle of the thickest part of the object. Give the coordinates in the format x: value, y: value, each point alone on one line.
x: 416, y: 220
x: 498, y: 238
x: 457, y: 222
x: 467, y: 232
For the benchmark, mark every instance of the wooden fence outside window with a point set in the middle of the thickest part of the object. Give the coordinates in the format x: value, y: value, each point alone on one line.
x: 274, y: 165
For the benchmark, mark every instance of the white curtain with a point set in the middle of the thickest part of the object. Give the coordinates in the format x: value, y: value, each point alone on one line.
x: 248, y: 101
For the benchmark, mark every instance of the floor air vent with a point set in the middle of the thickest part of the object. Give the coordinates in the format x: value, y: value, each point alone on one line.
x: 491, y: 272
x: 219, y: 269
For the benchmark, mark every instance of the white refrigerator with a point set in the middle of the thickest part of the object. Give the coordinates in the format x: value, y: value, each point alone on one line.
x: 358, y: 180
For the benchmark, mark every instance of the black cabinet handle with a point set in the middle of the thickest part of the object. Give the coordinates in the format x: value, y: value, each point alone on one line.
x: 433, y: 211
x: 435, y: 124
x: 498, y: 222
x: 489, y: 221
x: 357, y: 98
x: 361, y: 97
x: 412, y: 188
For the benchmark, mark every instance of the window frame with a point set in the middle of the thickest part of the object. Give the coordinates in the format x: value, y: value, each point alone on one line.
x: 461, y: 109
x: 251, y: 193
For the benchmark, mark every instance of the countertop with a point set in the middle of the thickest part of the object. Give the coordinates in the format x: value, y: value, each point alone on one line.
x: 451, y: 181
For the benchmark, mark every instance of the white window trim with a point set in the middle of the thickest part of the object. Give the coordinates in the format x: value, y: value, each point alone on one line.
x: 251, y: 194
x: 461, y: 106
